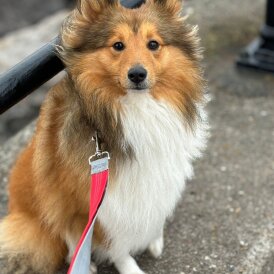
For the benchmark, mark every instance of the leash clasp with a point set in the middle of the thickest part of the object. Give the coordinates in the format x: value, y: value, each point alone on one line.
x: 98, y: 151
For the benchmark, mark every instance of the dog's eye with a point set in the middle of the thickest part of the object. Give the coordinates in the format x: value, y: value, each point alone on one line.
x: 153, y: 45
x: 119, y: 46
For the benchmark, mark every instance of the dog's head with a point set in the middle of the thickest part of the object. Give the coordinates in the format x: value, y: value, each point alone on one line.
x: 111, y: 51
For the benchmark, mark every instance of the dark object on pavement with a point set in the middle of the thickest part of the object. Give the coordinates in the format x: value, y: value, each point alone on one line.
x: 259, y: 54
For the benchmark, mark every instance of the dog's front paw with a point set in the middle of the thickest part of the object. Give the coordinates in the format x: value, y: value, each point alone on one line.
x: 127, y: 265
x: 92, y: 268
x: 156, y: 247
x: 139, y: 271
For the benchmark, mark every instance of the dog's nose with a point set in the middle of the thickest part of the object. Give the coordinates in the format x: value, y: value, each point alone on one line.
x: 137, y: 74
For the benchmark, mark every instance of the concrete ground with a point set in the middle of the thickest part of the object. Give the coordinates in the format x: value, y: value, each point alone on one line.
x: 225, y: 221
x: 16, y: 14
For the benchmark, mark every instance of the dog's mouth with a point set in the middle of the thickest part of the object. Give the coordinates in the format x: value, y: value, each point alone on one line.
x: 142, y: 87
x: 137, y: 90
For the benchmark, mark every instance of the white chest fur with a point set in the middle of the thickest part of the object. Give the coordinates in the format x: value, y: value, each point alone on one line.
x: 147, y: 188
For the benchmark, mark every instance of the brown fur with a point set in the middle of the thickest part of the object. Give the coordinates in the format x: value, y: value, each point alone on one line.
x: 49, y: 184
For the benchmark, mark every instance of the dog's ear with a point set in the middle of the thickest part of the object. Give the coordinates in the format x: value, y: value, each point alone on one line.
x: 172, y: 6
x: 90, y: 9
x: 79, y: 22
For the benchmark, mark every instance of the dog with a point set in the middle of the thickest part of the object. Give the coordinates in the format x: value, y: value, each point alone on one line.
x: 134, y: 76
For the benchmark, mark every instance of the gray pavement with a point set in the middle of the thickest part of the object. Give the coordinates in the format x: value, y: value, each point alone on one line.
x: 16, y: 14
x: 225, y: 221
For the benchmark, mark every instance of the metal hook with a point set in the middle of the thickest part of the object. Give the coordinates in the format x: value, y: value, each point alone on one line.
x: 96, y: 139
x: 98, y: 151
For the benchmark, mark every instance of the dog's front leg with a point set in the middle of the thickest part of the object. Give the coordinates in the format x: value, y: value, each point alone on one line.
x: 156, y: 246
x: 127, y: 265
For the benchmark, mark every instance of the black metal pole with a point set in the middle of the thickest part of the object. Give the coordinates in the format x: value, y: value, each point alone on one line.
x: 267, y: 31
x: 270, y: 13
x: 28, y: 75
x: 35, y: 70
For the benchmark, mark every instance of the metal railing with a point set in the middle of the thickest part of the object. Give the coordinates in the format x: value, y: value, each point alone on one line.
x: 35, y: 70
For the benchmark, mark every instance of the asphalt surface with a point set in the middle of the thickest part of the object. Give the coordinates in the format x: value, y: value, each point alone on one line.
x: 16, y: 14
x: 225, y: 221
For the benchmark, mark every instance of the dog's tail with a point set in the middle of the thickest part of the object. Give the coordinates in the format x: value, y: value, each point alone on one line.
x: 25, y: 246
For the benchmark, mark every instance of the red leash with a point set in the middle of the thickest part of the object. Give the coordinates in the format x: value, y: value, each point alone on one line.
x: 80, y: 262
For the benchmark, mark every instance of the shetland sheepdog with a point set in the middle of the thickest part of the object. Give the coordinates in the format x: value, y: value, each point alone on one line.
x: 134, y: 76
